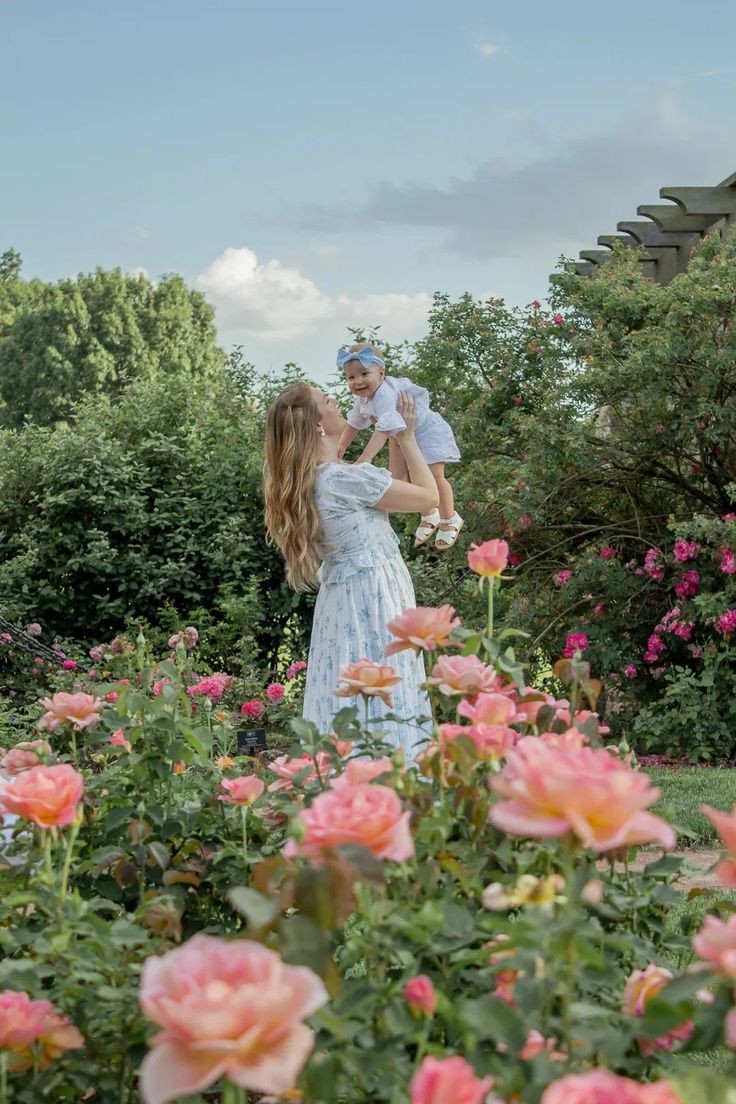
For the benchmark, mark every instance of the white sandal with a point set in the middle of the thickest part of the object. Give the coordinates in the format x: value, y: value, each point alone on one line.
x: 447, y: 537
x: 426, y: 528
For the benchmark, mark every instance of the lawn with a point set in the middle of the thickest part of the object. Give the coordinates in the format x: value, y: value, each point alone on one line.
x: 684, y: 790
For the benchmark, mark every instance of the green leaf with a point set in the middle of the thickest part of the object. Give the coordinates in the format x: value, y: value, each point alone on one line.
x: 661, y: 1016
x: 490, y: 1018
x: 258, y: 910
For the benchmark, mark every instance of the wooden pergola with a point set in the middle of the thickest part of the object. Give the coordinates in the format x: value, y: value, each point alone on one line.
x: 673, y: 229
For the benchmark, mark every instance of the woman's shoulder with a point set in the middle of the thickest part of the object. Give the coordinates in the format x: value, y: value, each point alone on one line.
x: 352, y: 484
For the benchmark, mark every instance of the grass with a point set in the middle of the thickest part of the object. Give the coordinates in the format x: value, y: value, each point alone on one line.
x: 684, y: 790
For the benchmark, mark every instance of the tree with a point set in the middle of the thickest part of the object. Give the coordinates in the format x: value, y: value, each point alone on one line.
x: 95, y: 334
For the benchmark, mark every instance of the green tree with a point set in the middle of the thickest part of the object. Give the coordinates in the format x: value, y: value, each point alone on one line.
x: 94, y: 334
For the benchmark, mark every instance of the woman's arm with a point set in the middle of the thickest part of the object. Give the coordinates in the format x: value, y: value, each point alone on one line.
x: 421, y: 494
x: 372, y: 449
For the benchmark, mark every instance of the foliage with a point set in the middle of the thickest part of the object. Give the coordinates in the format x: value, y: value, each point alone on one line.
x: 514, y: 934
x: 94, y: 335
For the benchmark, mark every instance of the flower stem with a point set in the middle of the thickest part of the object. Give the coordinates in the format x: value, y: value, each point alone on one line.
x: 244, y: 817
x: 3, y: 1076
x: 232, y: 1094
x: 73, y: 745
x: 491, y: 588
x: 73, y: 833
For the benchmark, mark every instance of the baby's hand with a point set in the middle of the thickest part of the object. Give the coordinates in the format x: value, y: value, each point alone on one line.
x: 341, y: 452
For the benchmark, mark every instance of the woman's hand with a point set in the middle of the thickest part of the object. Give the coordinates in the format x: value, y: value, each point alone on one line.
x: 406, y: 408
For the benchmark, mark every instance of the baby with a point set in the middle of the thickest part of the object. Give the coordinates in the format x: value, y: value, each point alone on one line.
x: 375, y: 404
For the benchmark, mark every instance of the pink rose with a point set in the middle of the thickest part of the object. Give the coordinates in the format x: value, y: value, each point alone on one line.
x: 226, y: 1008
x: 448, y: 1081
x: 421, y: 996
x: 597, y: 1086
x: 288, y: 770
x: 641, y: 986
x: 489, y: 558
x: 212, y: 687
x: 466, y: 675
x: 21, y: 1019
x: 369, y: 679
x: 492, y: 709
x: 725, y: 825
x: 80, y: 710
x: 425, y: 628
x: 576, y: 642
x: 716, y: 943
x: 69, y: 665
x: 24, y: 756
x: 241, y: 791
x: 49, y: 796
x: 359, y: 771
x: 295, y: 668
x: 365, y: 814
x: 552, y: 791
x: 275, y: 692
x: 112, y: 697
x: 118, y: 739
x: 563, y: 577
x: 253, y: 709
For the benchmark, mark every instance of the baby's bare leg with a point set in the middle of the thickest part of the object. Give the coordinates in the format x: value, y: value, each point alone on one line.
x: 396, y: 463
x: 447, y: 499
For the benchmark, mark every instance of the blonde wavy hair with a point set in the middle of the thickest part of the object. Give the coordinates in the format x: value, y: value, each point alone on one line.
x: 289, y: 470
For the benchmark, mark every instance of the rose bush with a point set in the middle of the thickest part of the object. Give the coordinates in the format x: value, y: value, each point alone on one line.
x: 336, y: 924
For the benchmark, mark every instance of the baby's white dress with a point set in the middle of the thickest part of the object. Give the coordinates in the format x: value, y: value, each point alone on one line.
x: 434, y: 436
x: 364, y: 584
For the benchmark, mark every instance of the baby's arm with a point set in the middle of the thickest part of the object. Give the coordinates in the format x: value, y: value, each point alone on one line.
x: 347, y: 437
x: 372, y: 449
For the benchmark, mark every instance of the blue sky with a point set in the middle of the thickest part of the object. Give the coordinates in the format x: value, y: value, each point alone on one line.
x: 312, y: 167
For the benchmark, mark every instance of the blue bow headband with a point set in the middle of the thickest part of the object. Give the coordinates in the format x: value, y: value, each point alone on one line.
x: 365, y: 356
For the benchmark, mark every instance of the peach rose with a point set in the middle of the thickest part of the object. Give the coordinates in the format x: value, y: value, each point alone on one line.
x: 572, y: 739
x: 358, y: 771
x: 532, y: 701
x: 24, y: 756
x: 641, y: 986
x: 552, y: 791
x: 368, y: 678
x: 425, y: 628
x: 597, y: 1086
x: 21, y: 1019
x: 49, y: 796
x: 119, y: 739
x: 421, y: 996
x: 366, y: 814
x: 492, y: 741
x: 725, y: 825
x: 227, y: 1008
x: 241, y: 791
x: 80, y: 710
x: 489, y: 558
x: 448, y: 1081
x: 466, y: 675
x: 716, y: 943
x: 56, y: 1035
x: 302, y: 768
x: 492, y: 709
x: 224, y: 762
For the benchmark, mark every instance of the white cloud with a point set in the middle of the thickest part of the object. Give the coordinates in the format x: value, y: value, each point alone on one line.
x: 487, y: 49
x: 277, y: 302
x: 137, y: 270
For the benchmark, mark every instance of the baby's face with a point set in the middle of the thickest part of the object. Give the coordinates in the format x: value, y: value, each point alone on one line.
x: 363, y: 382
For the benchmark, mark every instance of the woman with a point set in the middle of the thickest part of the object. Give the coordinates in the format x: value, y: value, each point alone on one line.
x: 322, y: 510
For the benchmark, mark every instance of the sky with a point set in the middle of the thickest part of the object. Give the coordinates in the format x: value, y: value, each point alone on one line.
x: 314, y: 167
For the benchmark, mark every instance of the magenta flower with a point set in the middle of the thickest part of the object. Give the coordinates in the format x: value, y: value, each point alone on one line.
x: 557, y: 319
x: 654, y: 564
x: 253, y: 709
x: 576, y: 642
x: 563, y: 577
x: 630, y: 670
x: 295, y: 668
x: 689, y: 585
x: 728, y: 562
x: 655, y: 647
x: 686, y: 550
x: 275, y: 692
x: 608, y: 553
x: 726, y: 623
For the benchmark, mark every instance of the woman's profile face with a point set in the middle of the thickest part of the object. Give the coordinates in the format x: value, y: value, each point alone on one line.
x: 329, y: 414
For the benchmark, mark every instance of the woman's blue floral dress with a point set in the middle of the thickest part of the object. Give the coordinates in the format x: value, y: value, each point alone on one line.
x: 364, y: 584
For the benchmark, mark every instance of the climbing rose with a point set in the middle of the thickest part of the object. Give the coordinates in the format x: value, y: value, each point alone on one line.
x: 227, y: 1008
x: 641, y: 986
x: 608, y: 553
x: 726, y: 623
x: 69, y: 665
x: 576, y: 642
x: 716, y: 943
x: 448, y: 1081
x: 654, y: 565
x: 689, y: 585
x: 557, y: 319
x: 466, y: 675
x: 425, y: 628
x: 685, y: 550
x: 293, y: 669
x: 80, y: 710
x: 630, y: 670
x: 725, y: 825
x: 728, y: 562
x: 369, y: 679
x: 366, y: 814
x: 49, y: 796
x: 421, y: 996
x: 489, y: 558
x: 241, y: 791
x: 275, y: 691
x: 23, y: 756
x: 551, y: 791
x: 563, y: 577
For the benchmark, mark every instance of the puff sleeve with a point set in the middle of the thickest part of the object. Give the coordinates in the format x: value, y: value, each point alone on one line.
x: 356, y: 485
